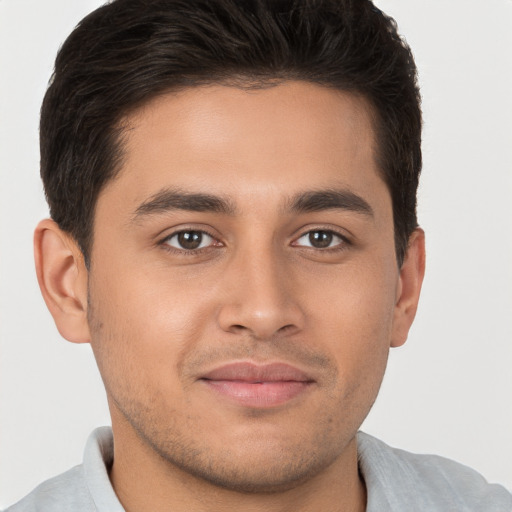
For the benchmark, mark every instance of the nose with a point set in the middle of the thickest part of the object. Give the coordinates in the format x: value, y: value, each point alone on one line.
x: 260, y: 298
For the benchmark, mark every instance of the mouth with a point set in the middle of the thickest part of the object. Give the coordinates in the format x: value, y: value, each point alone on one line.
x: 257, y: 386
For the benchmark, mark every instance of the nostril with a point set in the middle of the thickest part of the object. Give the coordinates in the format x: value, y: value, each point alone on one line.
x: 285, y: 328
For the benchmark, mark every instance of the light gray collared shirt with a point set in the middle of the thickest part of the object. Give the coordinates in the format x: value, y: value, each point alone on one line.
x: 396, y: 481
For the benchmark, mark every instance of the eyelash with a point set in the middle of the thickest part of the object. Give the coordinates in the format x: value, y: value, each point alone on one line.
x: 186, y: 252
x: 341, y: 246
x: 195, y: 252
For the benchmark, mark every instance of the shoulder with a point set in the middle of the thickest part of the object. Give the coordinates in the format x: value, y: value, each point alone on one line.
x: 62, y: 493
x: 398, y: 480
x: 84, y: 488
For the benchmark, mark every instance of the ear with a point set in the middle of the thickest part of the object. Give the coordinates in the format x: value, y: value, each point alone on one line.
x: 409, y: 287
x: 62, y: 277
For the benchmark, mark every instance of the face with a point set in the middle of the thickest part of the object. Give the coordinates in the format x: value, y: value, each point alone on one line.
x: 243, y: 281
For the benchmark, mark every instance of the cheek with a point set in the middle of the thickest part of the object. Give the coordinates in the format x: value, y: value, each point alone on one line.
x: 356, y: 299
x: 150, y: 305
x: 352, y: 315
x: 143, y: 326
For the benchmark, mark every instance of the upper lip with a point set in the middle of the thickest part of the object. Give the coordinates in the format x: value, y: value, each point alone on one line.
x: 252, y: 372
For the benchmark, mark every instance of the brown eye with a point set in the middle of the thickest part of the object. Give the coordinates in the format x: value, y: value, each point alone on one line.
x: 320, y: 239
x: 189, y: 240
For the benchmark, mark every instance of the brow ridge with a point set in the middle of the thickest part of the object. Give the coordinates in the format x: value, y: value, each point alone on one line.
x: 330, y: 199
x: 170, y: 199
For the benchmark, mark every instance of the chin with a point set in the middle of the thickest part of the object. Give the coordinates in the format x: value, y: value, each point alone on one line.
x: 261, y: 477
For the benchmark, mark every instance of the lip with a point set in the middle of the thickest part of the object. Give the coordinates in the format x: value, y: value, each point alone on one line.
x: 258, y: 386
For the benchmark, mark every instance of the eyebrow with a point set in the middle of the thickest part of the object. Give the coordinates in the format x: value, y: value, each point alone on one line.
x: 170, y: 199
x: 330, y: 199
x: 175, y: 199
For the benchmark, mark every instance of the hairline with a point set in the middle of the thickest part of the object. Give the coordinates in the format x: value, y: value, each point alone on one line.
x: 119, y: 131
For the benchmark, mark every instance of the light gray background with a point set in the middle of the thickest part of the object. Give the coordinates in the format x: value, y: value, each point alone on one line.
x: 447, y: 391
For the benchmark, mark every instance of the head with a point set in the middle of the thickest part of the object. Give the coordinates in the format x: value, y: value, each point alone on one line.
x: 232, y: 187
x: 130, y: 51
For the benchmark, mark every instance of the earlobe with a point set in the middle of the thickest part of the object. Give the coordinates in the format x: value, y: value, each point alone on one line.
x: 409, y: 287
x: 62, y: 278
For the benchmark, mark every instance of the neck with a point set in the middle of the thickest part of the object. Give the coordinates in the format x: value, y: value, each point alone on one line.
x: 144, y: 481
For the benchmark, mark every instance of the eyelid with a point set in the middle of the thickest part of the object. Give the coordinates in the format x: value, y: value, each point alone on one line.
x: 344, y: 240
x: 163, y: 242
x: 203, y: 234
x: 344, y: 234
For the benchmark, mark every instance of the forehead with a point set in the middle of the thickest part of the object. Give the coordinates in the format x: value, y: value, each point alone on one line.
x: 248, y: 143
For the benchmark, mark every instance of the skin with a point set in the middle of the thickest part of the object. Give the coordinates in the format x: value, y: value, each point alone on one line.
x: 257, y: 290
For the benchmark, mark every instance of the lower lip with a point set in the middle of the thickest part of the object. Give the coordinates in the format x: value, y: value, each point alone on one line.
x: 258, y: 394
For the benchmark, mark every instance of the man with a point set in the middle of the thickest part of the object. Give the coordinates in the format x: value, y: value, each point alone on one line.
x: 232, y: 189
